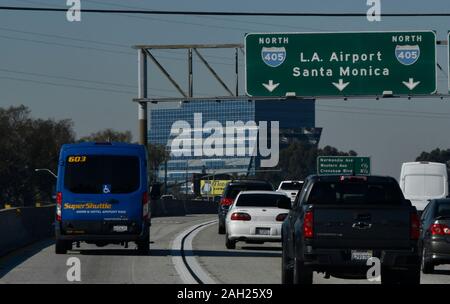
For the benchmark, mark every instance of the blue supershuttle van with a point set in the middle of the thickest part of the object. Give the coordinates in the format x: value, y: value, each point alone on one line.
x: 102, y: 196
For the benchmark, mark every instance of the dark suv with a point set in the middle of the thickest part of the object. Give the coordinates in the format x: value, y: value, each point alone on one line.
x: 232, y: 190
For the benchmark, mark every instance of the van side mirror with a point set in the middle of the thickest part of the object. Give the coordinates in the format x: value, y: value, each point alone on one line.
x: 284, y: 203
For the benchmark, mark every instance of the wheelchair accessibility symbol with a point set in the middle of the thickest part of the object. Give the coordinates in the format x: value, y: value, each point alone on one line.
x: 106, y: 189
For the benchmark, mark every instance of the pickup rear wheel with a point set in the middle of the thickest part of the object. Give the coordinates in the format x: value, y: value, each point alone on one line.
x: 412, y: 276
x: 403, y: 277
x: 303, y: 275
x: 389, y: 276
x: 287, y: 273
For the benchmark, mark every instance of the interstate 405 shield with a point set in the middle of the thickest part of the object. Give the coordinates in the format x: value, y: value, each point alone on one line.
x: 344, y: 63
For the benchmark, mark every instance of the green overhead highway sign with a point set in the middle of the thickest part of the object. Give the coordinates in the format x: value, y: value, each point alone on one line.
x: 342, y: 63
x: 343, y: 165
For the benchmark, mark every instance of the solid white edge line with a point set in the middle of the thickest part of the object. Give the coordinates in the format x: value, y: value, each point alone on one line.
x: 177, y: 260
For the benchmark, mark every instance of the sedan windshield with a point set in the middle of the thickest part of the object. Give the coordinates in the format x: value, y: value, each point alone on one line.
x: 260, y: 200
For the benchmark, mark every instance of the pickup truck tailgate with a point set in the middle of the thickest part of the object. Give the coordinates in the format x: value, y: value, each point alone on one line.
x: 361, y: 226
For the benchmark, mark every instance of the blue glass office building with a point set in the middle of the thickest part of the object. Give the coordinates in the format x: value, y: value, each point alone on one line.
x: 296, y: 122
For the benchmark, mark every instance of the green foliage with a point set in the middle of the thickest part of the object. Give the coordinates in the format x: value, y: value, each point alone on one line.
x: 27, y: 144
x: 157, y: 155
x: 108, y: 135
x: 299, y: 160
x: 436, y: 155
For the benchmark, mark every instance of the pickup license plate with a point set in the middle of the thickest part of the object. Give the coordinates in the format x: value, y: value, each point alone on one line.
x: 120, y: 228
x: 262, y: 231
x: 361, y: 255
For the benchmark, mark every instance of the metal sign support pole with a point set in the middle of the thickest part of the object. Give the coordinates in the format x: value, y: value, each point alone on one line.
x: 142, y: 112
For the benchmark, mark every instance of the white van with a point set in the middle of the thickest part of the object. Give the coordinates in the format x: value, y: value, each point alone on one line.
x: 421, y: 181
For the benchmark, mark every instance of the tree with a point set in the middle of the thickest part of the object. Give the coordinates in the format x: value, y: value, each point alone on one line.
x: 27, y: 144
x: 108, y: 135
x: 157, y: 155
x: 436, y: 155
x: 332, y: 151
x: 299, y: 160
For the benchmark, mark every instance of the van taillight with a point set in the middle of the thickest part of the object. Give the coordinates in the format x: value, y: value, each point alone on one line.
x: 58, y: 206
x: 308, y: 225
x: 145, y: 207
x: 415, y: 226
x: 439, y: 229
x: 240, y: 216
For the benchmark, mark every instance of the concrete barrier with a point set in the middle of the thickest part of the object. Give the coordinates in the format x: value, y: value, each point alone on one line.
x: 168, y: 208
x: 22, y: 226
x: 161, y: 208
x: 201, y: 207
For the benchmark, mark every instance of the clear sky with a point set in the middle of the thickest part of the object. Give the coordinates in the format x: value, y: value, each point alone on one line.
x: 87, y: 70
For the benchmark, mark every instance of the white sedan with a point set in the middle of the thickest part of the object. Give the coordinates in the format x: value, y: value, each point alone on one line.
x: 291, y: 188
x: 255, y: 217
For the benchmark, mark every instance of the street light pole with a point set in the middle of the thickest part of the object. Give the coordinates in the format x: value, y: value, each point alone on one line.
x: 46, y: 170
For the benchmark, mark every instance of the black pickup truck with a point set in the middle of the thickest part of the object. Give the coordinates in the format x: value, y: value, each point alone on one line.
x: 337, y: 223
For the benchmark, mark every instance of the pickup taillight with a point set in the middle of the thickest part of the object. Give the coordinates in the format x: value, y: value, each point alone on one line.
x: 308, y: 225
x: 415, y: 226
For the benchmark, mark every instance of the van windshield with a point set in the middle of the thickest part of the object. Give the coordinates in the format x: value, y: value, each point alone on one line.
x: 424, y: 186
x: 102, y: 174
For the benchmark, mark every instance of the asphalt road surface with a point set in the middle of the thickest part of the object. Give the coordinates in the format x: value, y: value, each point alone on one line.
x: 261, y: 264
x: 204, y: 248
x: 110, y: 264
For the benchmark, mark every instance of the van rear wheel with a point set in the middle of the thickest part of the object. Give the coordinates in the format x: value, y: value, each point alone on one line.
x: 61, y: 247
